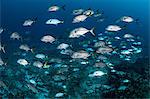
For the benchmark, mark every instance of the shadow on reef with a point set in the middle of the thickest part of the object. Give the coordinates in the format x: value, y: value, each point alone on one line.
x: 138, y: 85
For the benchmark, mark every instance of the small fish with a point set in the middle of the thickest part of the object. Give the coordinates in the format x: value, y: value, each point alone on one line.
x: 66, y: 52
x: 40, y: 56
x: 100, y: 20
x: 48, y: 39
x: 81, y: 31
x: 2, y: 84
x: 31, y: 87
x: 77, y: 11
x: 1, y: 30
x: 15, y: 35
x: 97, y: 74
x: 80, y: 54
x: 25, y: 47
x: 63, y: 46
x: 22, y: 62
x: 1, y: 62
x: 126, y: 52
x: 100, y: 64
x: 113, y: 28
x: 79, y: 18
x: 128, y: 36
x: 98, y: 13
x: 88, y: 12
x: 2, y: 48
x: 127, y: 19
x: 28, y: 22
x: 117, y: 37
x: 58, y: 95
x: 54, y: 21
x: 55, y: 8
x: 104, y: 50
x: 38, y: 64
x: 99, y: 44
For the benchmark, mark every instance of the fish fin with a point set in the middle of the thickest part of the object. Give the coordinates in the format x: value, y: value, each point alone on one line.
x: 92, y: 31
x: 83, y: 35
x: 97, y: 11
x: 89, y: 9
x: 71, y: 46
x: 35, y: 19
x: 45, y: 64
x: 124, y: 27
x: 61, y: 21
x: 63, y: 7
x: 3, y: 50
x: 5, y: 64
x: 32, y: 50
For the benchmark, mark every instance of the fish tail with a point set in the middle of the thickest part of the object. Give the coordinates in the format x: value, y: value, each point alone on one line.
x: 32, y: 50
x: 3, y: 50
x: 63, y: 7
x: 92, y: 31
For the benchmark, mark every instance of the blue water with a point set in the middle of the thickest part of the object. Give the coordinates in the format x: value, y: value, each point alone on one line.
x: 15, y: 12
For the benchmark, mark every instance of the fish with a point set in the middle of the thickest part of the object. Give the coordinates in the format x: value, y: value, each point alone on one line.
x: 99, y: 44
x: 100, y: 20
x: 1, y: 30
x: 1, y: 62
x: 128, y: 36
x: 2, y: 48
x: 79, y: 18
x: 66, y: 52
x: 97, y: 74
x: 98, y: 13
x: 31, y: 87
x: 127, y: 19
x: 54, y: 22
x: 63, y: 46
x: 78, y: 11
x: 40, y: 56
x: 55, y: 8
x: 104, y: 50
x: 15, y: 35
x: 22, y: 62
x: 100, y: 64
x: 80, y: 54
x: 88, y: 12
x: 48, y: 39
x: 58, y: 95
x: 81, y: 31
x: 117, y: 37
x: 25, y: 47
x: 126, y: 52
x: 28, y: 22
x: 113, y: 28
x: 2, y: 84
x: 38, y: 64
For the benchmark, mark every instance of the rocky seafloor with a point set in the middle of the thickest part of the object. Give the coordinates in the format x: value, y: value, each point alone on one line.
x: 128, y: 81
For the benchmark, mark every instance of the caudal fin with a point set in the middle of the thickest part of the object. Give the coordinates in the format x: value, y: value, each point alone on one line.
x: 63, y: 7
x: 61, y: 21
x: 3, y: 50
x: 32, y: 50
x: 92, y: 31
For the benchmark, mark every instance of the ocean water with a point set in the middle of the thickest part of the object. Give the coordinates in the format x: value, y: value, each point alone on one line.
x: 17, y: 79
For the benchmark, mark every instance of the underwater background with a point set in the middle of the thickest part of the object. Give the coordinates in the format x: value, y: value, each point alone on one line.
x: 15, y: 80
